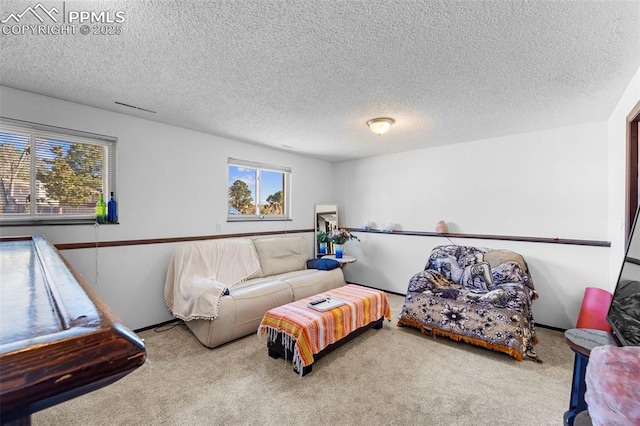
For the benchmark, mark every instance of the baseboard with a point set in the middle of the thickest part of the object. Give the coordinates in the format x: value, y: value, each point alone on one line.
x: 375, y: 288
x: 176, y: 320
x: 162, y: 324
x: 550, y: 327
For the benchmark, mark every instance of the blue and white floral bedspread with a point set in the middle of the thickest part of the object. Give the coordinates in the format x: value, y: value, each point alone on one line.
x: 478, y: 295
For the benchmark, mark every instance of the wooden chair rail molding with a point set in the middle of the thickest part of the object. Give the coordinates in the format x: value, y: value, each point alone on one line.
x: 491, y: 237
x: 102, y: 244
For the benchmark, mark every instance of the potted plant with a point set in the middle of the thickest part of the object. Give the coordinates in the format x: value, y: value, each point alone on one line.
x: 338, y: 237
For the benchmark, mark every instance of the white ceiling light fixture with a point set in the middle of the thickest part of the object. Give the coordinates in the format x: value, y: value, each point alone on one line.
x: 380, y: 126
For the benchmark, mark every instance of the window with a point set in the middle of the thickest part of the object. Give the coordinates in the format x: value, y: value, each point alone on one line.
x: 258, y: 191
x: 50, y: 173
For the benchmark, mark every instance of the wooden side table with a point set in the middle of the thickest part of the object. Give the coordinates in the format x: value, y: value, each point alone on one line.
x: 581, y: 342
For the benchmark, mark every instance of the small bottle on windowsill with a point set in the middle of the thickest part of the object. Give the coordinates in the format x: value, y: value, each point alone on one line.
x: 112, y: 210
x: 101, y: 210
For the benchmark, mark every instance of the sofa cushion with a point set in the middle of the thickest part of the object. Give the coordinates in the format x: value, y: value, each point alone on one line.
x: 310, y: 282
x: 252, y: 302
x: 253, y: 281
x: 280, y: 255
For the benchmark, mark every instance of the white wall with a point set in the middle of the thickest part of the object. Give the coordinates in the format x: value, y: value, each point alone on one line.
x: 550, y: 183
x: 565, y: 183
x: 617, y: 143
x: 560, y: 272
x: 171, y: 183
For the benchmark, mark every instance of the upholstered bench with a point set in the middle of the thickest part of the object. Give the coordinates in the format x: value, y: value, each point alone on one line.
x: 303, y: 334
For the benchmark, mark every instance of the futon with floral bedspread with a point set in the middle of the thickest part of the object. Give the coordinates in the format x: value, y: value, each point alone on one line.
x: 478, y: 295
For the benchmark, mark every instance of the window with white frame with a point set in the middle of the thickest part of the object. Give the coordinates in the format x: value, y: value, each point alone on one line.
x: 53, y: 173
x: 258, y: 191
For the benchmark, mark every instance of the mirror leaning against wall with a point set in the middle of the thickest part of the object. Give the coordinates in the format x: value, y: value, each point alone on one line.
x: 326, y: 220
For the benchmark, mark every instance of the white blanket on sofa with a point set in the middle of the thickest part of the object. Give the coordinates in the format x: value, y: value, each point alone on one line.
x: 199, y: 273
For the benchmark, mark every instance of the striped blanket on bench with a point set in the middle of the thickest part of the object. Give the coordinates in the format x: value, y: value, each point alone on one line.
x: 306, y: 332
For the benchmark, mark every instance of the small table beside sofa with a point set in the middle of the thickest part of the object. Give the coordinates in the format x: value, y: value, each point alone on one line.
x: 343, y: 261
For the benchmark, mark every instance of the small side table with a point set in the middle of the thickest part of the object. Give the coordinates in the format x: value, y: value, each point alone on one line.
x: 581, y: 342
x: 344, y: 260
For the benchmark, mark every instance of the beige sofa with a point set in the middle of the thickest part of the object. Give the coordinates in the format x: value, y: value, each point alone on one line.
x: 222, y: 288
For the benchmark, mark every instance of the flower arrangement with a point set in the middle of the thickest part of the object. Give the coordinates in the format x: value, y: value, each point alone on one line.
x: 341, y: 236
x: 322, y: 237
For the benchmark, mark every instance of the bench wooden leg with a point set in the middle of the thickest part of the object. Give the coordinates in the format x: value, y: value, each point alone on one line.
x: 305, y: 370
x: 273, y: 353
x: 378, y: 324
x: 277, y: 351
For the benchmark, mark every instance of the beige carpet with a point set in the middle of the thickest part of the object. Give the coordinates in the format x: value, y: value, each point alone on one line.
x: 392, y: 376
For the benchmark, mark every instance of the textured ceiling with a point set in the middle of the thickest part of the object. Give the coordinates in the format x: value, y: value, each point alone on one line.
x: 309, y: 74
